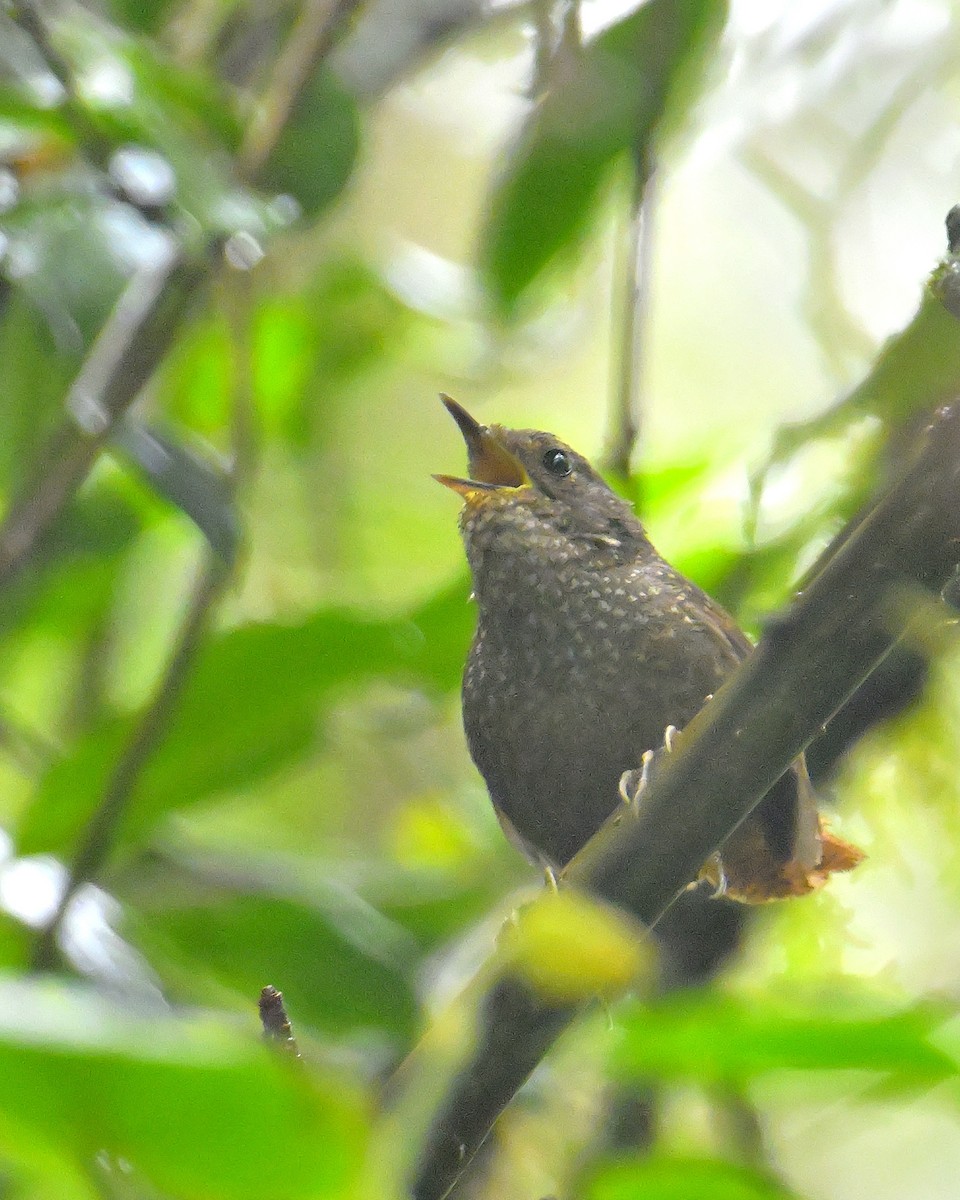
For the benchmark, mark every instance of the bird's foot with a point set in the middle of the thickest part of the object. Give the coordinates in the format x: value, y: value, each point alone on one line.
x: 634, y: 782
x: 714, y: 872
x: 551, y: 879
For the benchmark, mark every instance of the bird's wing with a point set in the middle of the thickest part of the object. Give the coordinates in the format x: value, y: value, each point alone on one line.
x: 788, y: 814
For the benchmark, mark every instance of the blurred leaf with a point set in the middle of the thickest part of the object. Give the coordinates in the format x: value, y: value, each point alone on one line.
x: 197, y: 98
x: 36, y: 375
x: 77, y: 248
x: 569, y: 947
x: 15, y: 940
x: 30, y: 136
x: 251, y: 706
x: 611, y: 101
x: 137, y: 93
x: 916, y: 369
x: 308, y: 351
x: 73, y: 579
x: 314, y: 156
x: 659, y: 486
x: 286, y: 331
x: 143, y: 17
x: 662, y: 1178
x: 713, y: 1038
x: 343, y: 966
x: 196, y: 1107
x: 130, y: 95
x: 192, y: 483
x: 436, y: 907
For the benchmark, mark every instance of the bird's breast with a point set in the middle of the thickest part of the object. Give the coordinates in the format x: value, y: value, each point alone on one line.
x: 568, y: 682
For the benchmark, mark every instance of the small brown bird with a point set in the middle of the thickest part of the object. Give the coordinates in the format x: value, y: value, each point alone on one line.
x: 588, y: 646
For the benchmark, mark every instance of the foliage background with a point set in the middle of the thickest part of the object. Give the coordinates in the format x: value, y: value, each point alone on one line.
x: 308, y: 815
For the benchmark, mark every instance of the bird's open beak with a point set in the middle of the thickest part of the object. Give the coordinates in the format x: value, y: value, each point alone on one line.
x: 492, y: 466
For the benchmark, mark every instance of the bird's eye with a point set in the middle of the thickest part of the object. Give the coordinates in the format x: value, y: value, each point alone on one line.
x: 557, y: 462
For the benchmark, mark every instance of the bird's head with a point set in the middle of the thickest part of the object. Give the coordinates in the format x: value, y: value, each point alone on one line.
x: 527, y: 489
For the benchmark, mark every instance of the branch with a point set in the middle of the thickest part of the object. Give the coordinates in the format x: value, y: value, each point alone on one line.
x: 310, y: 41
x: 101, y: 830
x: 25, y: 15
x: 625, y: 416
x: 151, y: 308
x: 807, y: 665
x: 100, y: 833
x: 123, y: 357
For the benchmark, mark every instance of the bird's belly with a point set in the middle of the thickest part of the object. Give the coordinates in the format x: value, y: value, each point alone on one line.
x: 552, y: 746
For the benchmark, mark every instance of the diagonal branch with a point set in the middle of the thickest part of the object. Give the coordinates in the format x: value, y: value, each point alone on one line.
x: 100, y: 833
x: 150, y: 311
x: 310, y: 41
x: 125, y: 354
x: 807, y: 665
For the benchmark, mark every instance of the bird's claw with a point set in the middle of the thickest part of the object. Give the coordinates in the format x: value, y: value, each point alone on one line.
x: 717, y: 875
x: 550, y: 879
x: 633, y: 783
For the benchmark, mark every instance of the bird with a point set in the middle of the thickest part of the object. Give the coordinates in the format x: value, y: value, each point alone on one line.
x: 589, y: 650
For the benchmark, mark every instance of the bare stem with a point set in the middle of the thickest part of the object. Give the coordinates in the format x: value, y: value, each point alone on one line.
x: 28, y: 18
x: 625, y: 416
x: 100, y: 834
x: 309, y: 43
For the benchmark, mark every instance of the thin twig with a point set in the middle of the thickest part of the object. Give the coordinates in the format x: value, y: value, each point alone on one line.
x: 841, y: 338
x: 544, y: 39
x: 807, y: 665
x: 29, y: 751
x: 625, y: 416
x: 28, y: 18
x: 276, y: 1024
x: 310, y: 40
x: 100, y: 833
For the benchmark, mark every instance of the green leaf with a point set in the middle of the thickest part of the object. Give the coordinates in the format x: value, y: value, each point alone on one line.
x: 314, y: 156
x: 144, y: 16
x: 343, y: 966
x: 26, y: 129
x: 250, y: 707
x: 662, y: 1178
x: 613, y: 100
x: 713, y: 1038
x: 195, y: 1106
x: 73, y: 242
x: 916, y: 368
x: 36, y: 376
x: 307, y: 352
